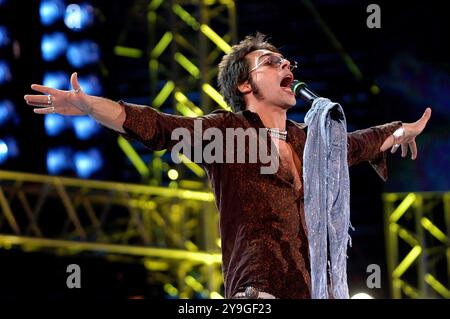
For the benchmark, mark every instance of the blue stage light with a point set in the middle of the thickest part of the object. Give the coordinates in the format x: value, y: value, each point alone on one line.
x: 4, y: 37
x: 51, y: 10
x: 13, y: 148
x: 7, y: 112
x: 59, y: 159
x: 5, y: 72
x: 83, y: 53
x: 58, y: 80
x: 55, y: 124
x: 3, y: 151
x: 78, y: 17
x: 91, y: 84
x: 8, y: 149
x: 85, y: 127
x: 88, y: 162
x: 53, y: 45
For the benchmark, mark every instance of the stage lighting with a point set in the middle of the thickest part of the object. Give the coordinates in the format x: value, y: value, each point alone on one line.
x: 59, y: 159
x: 78, y: 17
x: 13, y: 148
x: 4, y: 37
x: 51, y: 10
x: 361, y: 295
x: 88, y: 162
x: 3, y: 151
x: 5, y: 72
x: 83, y: 53
x: 55, y: 124
x: 85, y: 127
x: 58, y: 80
x: 91, y: 84
x: 8, y: 113
x: 53, y: 45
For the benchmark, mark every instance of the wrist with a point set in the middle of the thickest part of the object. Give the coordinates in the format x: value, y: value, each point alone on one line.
x: 398, y: 135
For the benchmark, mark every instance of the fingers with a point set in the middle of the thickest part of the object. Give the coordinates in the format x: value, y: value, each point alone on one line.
x: 45, y: 110
x: 74, y: 81
x: 413, y: 149
x: 38, y: 100
x: 425, y: 117
x: 43, y: 89
x: 394, y: 148
x: 404, y: 149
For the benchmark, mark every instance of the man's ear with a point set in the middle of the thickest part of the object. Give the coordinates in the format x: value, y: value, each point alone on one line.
x: 245, y: 88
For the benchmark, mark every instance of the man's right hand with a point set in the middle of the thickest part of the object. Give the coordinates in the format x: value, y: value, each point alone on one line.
x: 58, y: 101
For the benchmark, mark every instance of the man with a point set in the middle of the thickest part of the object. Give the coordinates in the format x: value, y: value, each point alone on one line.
x: 262, y: 222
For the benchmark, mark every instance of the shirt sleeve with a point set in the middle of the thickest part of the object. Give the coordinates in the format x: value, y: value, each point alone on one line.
x: 364, y: 145
x: 154, y: 128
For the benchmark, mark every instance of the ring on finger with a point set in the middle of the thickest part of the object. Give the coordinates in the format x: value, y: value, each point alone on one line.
x: 49, y: 100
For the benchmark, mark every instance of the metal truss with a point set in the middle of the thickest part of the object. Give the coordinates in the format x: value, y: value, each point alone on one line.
x: 417, y: 229
x: 173, y: 232
x: 187, y: 38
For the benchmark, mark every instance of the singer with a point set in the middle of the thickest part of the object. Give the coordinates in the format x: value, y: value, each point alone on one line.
x: 265, y: 243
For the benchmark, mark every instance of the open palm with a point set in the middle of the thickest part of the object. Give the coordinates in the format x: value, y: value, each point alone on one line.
x: 60, y: 101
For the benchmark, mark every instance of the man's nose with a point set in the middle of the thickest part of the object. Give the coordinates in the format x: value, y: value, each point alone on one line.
x: 285, y: 64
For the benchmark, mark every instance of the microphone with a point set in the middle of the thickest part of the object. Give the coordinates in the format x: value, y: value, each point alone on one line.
x: 300, y: 89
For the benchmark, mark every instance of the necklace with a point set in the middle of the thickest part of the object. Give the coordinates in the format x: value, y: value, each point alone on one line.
x: 274, y: 132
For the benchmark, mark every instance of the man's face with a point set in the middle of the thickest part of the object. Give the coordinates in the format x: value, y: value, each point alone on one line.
x: 272, y: 77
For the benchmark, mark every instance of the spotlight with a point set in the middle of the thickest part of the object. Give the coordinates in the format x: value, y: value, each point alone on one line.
x: 83, y: 53
x: 361, y: 295
x: 78, y: 17
x: 3, y: 151
x: 173, y: 174
x: 88, y: 162
x: 59, y: 80
x: 4, y: 37
x: 55, y: 124
x: 13, y: 148
x: 53, y: 45
x: 50, y: 11
x: 8, y: 113
x: 59, y: 159
x: 5, y: 72
x: 91, y: 84
x: 85, y: 127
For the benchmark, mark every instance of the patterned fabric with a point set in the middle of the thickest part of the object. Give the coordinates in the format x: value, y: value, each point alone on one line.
x: 327, y: 197
x: 262, y: 225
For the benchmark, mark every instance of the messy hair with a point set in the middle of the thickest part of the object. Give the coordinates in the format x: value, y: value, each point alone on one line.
x: 234, y: 67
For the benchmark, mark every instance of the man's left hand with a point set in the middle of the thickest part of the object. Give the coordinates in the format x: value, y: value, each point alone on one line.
x: 408, y: 139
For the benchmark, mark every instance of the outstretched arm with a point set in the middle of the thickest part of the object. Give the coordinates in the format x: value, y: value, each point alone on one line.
x: 108, y: 113
x: 370, y: 144
x: 145, y: 124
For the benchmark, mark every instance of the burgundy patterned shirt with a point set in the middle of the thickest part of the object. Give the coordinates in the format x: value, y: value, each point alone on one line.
x: 262, y: 224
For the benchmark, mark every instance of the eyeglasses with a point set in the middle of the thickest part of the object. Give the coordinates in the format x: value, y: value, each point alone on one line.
x: 274, y: 61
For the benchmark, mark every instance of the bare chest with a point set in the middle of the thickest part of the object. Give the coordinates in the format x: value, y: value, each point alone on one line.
x: 290, y: 164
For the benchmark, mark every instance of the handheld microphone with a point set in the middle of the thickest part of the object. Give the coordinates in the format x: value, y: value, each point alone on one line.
x: 300, y: 89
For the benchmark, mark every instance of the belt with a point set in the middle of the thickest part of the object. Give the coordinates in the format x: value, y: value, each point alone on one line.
x: 253, y: 293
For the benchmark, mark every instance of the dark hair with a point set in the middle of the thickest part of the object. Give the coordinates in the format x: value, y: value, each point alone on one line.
x: 234, y: 67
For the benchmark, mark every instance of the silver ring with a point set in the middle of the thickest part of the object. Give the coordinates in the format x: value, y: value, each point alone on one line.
x: 77, y: 90
x: 396, y: 145
x: 49, y: 99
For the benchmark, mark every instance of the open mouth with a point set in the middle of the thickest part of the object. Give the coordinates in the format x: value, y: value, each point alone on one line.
x: 286, y: 81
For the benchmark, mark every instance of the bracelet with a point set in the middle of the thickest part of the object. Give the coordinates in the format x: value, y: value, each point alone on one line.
x: 400, y: 132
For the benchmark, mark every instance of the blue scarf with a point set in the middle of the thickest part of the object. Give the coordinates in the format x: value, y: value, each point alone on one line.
x: 327, y: 197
